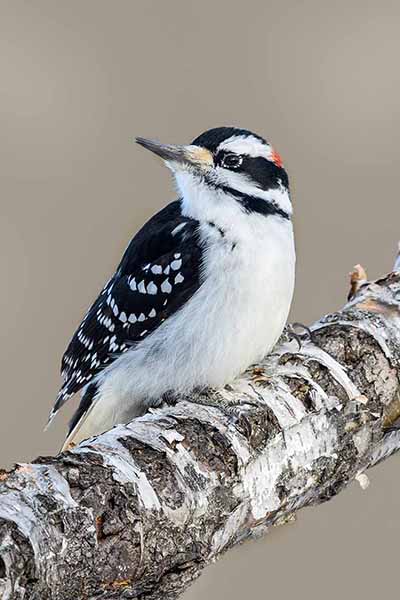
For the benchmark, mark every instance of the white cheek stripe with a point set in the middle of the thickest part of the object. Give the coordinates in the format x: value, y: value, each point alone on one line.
x: 249, y: 145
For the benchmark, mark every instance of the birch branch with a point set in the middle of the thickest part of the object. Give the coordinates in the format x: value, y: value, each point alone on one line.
x: 139, y: 511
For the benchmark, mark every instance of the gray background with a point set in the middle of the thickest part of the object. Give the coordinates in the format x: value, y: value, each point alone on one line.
x: 78, y: 79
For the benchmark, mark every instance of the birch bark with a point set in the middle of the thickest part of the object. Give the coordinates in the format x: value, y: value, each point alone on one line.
x: 139, y: 511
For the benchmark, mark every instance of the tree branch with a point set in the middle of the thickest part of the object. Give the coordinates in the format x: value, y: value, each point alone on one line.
x: 139, y: 511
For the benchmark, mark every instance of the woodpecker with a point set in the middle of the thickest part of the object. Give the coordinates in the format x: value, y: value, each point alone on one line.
x: 202, y: 292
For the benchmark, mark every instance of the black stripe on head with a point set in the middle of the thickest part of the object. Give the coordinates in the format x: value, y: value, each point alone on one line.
x: 252, y: 204
x: 212, y: 138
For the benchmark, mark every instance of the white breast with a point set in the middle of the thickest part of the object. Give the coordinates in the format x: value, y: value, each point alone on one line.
x: 239, y: 312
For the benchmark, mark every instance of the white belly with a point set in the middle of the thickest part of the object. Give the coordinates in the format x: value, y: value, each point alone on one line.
x: 233, y: 320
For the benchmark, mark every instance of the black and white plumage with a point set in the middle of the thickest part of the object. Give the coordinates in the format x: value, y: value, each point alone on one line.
x: 202, y: 291
x: 158, y: 273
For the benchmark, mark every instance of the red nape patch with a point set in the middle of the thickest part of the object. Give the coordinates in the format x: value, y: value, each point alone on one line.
x: 276, y: 158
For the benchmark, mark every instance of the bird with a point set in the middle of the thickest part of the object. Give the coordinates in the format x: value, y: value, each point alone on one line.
x: 202, y: 292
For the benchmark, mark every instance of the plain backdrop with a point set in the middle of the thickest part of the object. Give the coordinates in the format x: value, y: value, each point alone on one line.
x: 79, y: 79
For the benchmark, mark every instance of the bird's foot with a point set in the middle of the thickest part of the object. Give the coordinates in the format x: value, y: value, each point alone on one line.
x: 300, y: 333
x: 170, y: 398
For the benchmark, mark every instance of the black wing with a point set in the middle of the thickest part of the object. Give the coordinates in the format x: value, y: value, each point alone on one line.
x: 159, y: 272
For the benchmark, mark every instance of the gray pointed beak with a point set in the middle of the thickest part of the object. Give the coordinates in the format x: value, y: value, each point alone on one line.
x: 178, y: 156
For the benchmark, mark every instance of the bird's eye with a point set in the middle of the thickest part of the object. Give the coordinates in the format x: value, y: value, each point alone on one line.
x: 231, y: 161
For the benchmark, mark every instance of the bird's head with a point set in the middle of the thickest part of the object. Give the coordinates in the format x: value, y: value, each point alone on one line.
x: 228, y: 165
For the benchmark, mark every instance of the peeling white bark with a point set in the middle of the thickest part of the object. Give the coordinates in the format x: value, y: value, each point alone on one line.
x: 142, y: 508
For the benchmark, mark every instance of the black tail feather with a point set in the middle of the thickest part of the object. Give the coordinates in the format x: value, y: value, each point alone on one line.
x: 84, y: 405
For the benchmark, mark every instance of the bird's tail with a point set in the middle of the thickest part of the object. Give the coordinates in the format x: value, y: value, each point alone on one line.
x: 61, y: 399
x: 81, y: 425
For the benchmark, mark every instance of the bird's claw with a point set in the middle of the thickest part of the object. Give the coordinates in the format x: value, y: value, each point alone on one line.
x: 170, y: 399
x: 306, y: 333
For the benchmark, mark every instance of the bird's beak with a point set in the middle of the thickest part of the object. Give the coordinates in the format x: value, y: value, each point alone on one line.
x: 180, y: 157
